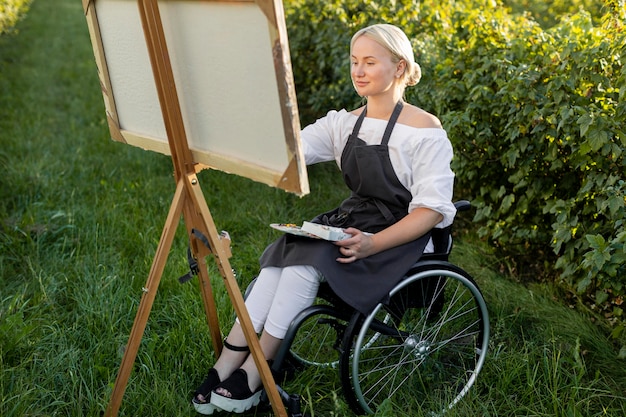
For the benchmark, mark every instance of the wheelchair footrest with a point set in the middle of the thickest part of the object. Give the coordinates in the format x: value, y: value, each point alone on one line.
x: 292, y: 402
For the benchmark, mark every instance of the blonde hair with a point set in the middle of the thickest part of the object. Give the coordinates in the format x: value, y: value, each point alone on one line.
x: 395, y: 41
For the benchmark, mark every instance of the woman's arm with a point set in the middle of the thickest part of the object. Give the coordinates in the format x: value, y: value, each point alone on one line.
x: 412, y: 226
x: 319, y: 138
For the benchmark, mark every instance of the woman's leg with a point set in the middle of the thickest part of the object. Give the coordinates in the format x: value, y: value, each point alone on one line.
x: 296, y: 291
x: 269, y: 346
x: 261, y: 297
x: 258, y: 303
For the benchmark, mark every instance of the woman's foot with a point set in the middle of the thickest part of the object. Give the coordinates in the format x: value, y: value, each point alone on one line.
x: 234, y: 395
x: 201, y: 398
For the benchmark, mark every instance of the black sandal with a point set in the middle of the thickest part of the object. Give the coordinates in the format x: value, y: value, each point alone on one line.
x: 241, y: 398
x: 205, y: 407
x: 211, y: 381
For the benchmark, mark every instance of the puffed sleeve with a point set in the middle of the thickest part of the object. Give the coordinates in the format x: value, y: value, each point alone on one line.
x: 321, y: 140
x: 432, y: 177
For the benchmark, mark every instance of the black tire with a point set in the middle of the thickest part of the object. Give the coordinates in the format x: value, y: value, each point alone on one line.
x: 317, y: 341
x: 428, y: 355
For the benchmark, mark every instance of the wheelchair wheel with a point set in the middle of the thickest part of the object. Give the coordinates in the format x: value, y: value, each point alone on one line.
x: 317, y: 332
x: 317, y: 341
x: 319, y: 337
x: 424, y: 347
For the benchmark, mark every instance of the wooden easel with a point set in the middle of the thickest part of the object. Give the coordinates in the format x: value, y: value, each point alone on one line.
x: 189, y: 202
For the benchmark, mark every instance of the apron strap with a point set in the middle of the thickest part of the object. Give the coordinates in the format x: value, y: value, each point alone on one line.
x: 382, y: 207
x: 359, y: 122
x: 392, y: 122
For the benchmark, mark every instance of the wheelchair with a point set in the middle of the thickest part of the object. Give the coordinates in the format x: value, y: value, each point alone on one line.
x: 425, y: 342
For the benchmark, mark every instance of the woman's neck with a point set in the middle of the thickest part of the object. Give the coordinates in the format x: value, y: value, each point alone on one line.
x: 381, y: 108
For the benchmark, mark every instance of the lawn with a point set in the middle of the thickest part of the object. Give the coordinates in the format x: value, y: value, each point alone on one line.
x: 80, y: 219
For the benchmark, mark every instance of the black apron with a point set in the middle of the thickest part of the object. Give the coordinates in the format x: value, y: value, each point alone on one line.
x: 378, y: 200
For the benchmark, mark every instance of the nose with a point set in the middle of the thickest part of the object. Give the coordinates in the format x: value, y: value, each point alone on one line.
x: 357, y: 70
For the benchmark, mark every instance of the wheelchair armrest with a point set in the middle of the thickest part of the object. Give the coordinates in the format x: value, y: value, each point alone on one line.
x: 441, y: 238
x: 462, y: 205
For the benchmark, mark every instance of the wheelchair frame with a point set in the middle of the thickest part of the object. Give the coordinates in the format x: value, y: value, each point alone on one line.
x: 427, y: 340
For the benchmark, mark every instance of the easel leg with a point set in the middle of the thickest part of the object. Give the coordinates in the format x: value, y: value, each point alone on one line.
x: 183, y: 201
x: 209, y: 307
x: 235, y: 296
x: 147, y: 299
x: 206, y: 290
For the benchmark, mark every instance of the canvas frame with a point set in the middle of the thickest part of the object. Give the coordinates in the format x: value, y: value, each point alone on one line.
x: 233, y: 75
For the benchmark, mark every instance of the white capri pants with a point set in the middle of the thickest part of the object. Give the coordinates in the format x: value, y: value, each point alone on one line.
x: 279, y: 294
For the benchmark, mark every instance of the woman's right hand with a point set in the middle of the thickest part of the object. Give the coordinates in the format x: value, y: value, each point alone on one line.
x: 360, y: 245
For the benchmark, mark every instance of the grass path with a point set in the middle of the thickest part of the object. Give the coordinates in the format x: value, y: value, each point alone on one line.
x: 80, y: 218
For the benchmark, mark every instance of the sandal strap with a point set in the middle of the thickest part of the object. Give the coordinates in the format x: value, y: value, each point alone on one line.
x: 210, y: 382
x: 237, y: 385
x: 236, y: 348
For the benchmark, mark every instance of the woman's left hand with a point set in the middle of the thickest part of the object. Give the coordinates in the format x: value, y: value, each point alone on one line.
x: 359, y: 246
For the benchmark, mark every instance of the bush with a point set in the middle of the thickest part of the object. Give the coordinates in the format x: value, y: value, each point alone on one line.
x: 11, y: 11
x: 536, y: 118
x: 547, y: 14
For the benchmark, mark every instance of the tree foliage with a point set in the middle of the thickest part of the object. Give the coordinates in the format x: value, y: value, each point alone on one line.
x: 536, y: 116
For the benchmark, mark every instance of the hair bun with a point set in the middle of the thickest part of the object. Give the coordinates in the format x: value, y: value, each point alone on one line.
x: 414, y: 74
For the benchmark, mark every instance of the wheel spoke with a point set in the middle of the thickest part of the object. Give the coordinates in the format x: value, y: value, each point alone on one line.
x: 429, y: 351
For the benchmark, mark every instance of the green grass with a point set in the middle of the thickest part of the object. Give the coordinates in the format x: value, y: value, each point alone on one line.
x: 80, y: 219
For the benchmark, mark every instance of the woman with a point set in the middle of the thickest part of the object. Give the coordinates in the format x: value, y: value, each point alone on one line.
x: 395, y: 158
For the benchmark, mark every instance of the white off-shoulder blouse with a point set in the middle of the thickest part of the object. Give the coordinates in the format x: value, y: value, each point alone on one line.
x: 419, y: 156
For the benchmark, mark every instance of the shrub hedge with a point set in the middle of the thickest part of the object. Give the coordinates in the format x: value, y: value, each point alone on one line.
x: 537, y: 118
x: 547, y: 14
x: 11, y: 11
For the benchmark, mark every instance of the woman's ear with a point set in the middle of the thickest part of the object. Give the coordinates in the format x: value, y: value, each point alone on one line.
x: 400, y: 68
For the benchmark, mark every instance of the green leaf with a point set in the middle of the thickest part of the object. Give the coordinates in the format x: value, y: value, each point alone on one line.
x: 596, y: 242
x: 597, y: 138
x: 584, y: 122
x: 601, y: 296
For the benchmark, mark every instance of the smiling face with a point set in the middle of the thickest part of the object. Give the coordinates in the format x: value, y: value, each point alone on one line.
x: 373, y: 69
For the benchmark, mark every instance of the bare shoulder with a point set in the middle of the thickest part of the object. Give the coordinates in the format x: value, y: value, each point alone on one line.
x: 415, y: 117
x: 358, y: 111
